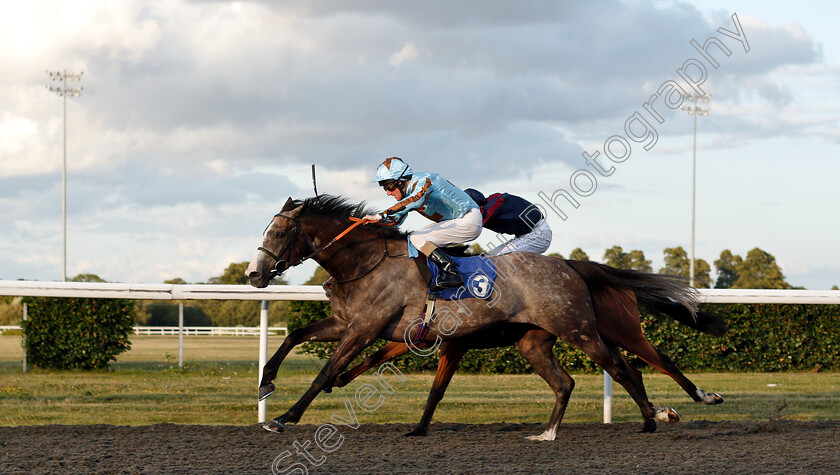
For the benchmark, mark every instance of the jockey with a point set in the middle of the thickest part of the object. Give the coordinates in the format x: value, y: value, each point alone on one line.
x: 456, y: 217
x: 510, y: 214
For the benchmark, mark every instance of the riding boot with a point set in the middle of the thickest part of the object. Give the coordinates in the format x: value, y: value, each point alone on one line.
x: 448, y: 277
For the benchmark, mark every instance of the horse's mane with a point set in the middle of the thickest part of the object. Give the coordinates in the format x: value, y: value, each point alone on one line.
x: 340, y: 208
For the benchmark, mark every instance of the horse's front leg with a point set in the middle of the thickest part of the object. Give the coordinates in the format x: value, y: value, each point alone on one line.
x: 386, y: 353
x: 350, y: 346
x: 328, y: 329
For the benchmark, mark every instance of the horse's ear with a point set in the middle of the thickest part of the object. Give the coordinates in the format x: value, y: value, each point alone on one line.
x: 290, y: 203
x: 292, y: 211
x: 296, y: 211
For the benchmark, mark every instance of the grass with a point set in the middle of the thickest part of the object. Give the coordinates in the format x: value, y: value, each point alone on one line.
x: 219, y: 380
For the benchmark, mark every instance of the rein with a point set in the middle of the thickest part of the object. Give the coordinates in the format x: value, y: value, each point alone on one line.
x: 287, y: 248
x: 381, y: 260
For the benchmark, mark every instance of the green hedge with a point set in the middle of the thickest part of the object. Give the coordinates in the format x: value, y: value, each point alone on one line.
x: 64, y: 333
x: 761, y: 337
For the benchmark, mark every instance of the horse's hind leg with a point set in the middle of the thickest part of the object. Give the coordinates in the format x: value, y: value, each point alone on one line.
x: 617, y: 320
x: 574, y: 321
x: 629, y: 377
x: 661, y: 414
x: 451, y: 353
x: 328, y: 329
x: 617, y: 367
x: 536, y: 346
x: 644, y: 350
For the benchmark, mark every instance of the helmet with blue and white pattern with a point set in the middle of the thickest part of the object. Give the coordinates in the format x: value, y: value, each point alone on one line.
x: 393, y: 169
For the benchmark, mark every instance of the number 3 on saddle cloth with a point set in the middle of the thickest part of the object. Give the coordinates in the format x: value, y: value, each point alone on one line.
x: 478, y: 273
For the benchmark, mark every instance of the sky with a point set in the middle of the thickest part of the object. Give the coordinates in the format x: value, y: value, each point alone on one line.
x: 198, y: 119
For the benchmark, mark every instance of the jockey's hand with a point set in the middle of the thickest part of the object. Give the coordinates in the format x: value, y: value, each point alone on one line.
x: 373, y: 218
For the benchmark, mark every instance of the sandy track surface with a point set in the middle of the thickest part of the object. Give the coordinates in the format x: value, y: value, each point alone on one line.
x: 775, y: 446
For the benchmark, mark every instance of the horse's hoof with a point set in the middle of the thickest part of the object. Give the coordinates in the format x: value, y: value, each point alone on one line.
x: 649, y: 426
x: 326, y: 389
x: 273, y: 426
x: 545, y: 436
x: 266, y: 391
x: 415, y: 433
x: 666, y: 414
x: 708, y: 397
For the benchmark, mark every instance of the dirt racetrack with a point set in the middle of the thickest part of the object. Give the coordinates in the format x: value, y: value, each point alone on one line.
x: 775, y: 446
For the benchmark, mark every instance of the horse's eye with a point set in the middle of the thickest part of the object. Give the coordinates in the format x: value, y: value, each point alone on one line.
x: 280, y: 234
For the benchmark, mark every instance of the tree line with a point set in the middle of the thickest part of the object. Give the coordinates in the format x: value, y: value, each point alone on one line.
x: 759, y: 270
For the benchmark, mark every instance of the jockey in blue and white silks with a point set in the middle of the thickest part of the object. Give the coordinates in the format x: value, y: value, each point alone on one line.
x: 456, y: 217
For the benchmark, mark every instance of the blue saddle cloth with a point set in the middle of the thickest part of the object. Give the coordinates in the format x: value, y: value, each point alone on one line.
x: 479, y: 274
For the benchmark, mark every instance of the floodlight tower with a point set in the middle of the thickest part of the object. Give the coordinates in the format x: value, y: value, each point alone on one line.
x: 693, y: 109
x: 63, y: 91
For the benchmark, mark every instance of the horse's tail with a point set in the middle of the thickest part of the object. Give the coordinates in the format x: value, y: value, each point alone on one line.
x: 660, y: 295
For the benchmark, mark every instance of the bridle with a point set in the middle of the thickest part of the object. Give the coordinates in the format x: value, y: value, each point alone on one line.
x: 282, y: 258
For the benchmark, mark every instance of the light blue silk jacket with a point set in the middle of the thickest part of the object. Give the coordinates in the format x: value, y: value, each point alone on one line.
x: 432, y: 196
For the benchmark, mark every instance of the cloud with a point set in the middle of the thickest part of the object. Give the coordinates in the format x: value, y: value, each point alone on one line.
x: 409, y: 52
x: 198, y: 118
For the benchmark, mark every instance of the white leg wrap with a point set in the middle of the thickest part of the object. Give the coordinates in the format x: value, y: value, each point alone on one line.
x: 549, y: 434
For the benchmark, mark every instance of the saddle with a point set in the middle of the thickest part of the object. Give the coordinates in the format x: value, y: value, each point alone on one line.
x: 478, y: 272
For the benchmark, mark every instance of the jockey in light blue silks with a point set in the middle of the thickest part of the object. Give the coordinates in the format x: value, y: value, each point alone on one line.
x: 456, y: 217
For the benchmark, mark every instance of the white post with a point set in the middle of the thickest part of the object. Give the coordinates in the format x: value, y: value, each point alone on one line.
x: 23, y: 336
x: 64, y: 190
x: 693, y: 194
x: 261, y: 405
x: 180, y: 334
x: 607, y: 398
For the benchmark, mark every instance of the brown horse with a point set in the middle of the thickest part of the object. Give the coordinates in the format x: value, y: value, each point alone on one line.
x: 379, y: 293
x: 616, y: 319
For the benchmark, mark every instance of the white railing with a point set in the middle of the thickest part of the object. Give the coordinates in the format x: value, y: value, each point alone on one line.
x: 213, y: 331
x: 20, y: 288
x: 314, y: 292
x: 769, y: 296
x: 190, y: 331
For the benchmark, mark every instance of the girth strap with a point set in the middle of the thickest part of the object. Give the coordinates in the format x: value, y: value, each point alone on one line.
x: 423, y: 328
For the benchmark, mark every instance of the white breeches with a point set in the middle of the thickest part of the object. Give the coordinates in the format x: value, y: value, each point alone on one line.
x: 537, y: 241
x: 445, y: 233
